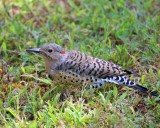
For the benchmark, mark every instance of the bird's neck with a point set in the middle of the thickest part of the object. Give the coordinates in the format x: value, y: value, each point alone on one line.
x: 51, y: 65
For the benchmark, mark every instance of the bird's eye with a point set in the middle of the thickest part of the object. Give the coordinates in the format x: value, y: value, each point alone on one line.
x: 50, y: 50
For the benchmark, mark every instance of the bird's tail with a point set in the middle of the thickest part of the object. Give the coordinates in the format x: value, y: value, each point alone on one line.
x: 144, y: 90
x: 123, y: 80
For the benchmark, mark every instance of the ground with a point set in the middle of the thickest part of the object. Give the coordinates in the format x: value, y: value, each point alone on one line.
x: 124, y: 32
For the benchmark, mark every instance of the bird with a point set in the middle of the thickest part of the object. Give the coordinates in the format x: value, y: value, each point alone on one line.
x: 71, y: 67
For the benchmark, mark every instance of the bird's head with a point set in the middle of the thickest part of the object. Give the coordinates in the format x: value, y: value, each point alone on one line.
x: 51, y: 52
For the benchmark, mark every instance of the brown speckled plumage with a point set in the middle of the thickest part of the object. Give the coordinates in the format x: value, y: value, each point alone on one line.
x: 77, y: 68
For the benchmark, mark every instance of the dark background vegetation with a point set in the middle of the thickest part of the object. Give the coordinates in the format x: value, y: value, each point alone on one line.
x: 126, y: 32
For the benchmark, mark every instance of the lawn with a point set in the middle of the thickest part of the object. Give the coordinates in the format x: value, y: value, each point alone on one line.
x: 124, y: 32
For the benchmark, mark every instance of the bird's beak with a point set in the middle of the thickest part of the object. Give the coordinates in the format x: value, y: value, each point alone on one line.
x: 39, y: 51
x: 36, y: 50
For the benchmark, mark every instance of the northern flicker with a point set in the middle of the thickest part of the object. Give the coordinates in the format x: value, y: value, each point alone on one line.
x: 76, y: 68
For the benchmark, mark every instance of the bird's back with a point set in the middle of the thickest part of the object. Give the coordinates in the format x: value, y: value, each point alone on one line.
x: 88, y: 65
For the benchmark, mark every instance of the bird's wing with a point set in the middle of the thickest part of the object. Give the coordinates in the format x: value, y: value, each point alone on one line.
x: 84, y: 64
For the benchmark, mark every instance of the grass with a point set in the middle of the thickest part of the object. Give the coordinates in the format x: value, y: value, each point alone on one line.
x: 124, y: 32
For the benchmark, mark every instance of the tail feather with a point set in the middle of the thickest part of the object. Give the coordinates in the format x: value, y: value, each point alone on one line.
x: 123, y: 80
x: 144, y: 90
